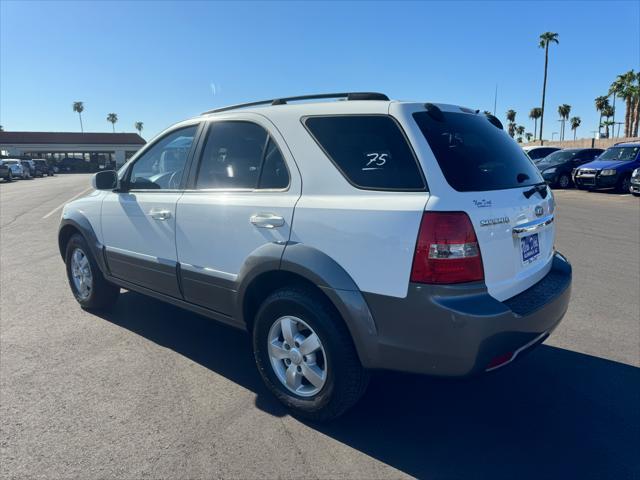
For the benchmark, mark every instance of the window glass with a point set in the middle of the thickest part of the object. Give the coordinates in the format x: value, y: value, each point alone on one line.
x: 232, y: 156
x: 620, y: 154
x: 474, y: 155
x: 274, y: 169
x: 161, y: 166
x: 369, y: 150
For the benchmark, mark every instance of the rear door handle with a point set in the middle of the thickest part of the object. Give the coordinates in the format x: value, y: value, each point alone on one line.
x: 267, y: 220
x: 160, y: 214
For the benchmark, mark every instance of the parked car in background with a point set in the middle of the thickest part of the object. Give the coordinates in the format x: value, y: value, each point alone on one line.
x: 556, y: 168
x: 17, y: 169
x: 455, y: 279
x: 42, y: 167
x: 5, y: 172
x: 29, y: 168
x: 610, y: 170
x: 635, y: 183
x: 538, y: 153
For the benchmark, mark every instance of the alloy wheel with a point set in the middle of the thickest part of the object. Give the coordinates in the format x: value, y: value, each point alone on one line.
x: 297, y: 356
x: 81, y: 274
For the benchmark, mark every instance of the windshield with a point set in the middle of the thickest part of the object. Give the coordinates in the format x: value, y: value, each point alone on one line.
x: 474, y: 154
x: 561, y: 156
x: 620, y: 154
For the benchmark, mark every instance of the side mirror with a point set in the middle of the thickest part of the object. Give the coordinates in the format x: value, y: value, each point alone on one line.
x: 106, y: 180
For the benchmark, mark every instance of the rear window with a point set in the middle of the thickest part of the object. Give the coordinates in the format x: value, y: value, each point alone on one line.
x: 370, y: 150
x: 474, y: 155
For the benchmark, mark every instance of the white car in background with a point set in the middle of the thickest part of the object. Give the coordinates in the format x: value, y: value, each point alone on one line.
x: 17, y: 168
x: 537, y: 153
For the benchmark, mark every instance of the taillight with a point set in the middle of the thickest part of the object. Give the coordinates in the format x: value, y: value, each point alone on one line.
x: 447, y: 250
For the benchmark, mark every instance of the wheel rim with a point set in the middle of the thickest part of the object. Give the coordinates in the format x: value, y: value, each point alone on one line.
x: 297, y: 356
x: 564, y: 181
x: 81, y: 274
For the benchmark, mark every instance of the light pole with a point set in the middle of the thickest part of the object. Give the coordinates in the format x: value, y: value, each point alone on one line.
x: 593, y: 132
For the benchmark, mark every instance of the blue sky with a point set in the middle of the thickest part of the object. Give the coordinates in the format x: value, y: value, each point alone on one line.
x: 160, y: 62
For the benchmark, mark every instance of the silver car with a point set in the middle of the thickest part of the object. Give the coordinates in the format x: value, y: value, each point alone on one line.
x: 17, y: 169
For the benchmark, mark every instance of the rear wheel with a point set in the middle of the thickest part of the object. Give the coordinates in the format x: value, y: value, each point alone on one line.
x: 305, y: 355
x: 10, y: 176
x: 87, y: 283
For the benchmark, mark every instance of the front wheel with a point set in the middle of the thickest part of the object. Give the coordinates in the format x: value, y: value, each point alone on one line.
x: 564, y: 181
x: 87, y: 283
x: 306, y: 356
x: 625, y: 185
x: 10, y: 176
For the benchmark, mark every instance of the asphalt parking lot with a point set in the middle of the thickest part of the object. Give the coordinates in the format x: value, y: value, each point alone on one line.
x: 150, y: 391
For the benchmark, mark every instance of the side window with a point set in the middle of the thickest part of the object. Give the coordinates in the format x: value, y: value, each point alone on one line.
x: 161, y: 166
x: 274, y: 169
x: 233, y: 157
x: 369, y: 150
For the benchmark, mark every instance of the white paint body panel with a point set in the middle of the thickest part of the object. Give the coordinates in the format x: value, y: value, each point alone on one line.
x: 214, y: 234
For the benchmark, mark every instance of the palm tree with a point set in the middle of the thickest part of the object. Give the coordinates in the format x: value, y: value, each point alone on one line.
x: 79, y: 107
x: 575, y: 123
x: 607, y: 112
x: 113, y: 118
x: 520, y: 130
x: 601, y: 103
x: 545, y: 39
x: 139, y: 126
x: 563, y: 111
x: 535, y: 114
x: 616, y: 89
x: 528, y: 136
x: 511, y: 118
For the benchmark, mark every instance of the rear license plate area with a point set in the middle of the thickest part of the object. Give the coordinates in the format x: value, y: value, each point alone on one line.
x: 530, y: 246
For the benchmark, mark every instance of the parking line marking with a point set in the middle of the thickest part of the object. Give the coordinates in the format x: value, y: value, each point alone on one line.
x: 65, y: 202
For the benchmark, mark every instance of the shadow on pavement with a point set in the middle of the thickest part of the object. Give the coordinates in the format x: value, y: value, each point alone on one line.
x: 555, y: 414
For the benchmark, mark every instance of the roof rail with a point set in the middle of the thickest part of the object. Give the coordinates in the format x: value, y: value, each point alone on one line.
x: 284, y: 100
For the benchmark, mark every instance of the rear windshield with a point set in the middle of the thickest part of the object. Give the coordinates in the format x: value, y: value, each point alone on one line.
x: 620, y: 154
x: 474, y: 155
x: 370, y: 150
x: 559, y: 157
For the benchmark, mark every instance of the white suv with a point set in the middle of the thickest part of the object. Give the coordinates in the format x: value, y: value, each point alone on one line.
x: 345, y: 236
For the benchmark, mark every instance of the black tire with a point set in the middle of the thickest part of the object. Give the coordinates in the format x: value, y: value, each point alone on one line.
x: 10, y: 176
x: 635, y: 194
x: 624, y: 186
x: 103, y: 294
x: 343, y: 386
x: 564, y: 181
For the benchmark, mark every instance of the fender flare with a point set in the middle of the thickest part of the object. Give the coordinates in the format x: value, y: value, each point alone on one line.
x: 324, y: 272
x: 79, y: 222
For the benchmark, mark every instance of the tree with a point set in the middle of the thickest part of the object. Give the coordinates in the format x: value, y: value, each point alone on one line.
x: 139, y: 126
x: 528, y: 136
x: 535, y: 114
x: 601, y: 103
x: 79, y: 107
x: 1, y: 128
x: 520, y: 130
x: 511, y: 118
x: 607, y: 112
x: 575, y: 123
x: 616, y: 89
x: 546, y: 39
x: 113, y: 118
x: 563, y: 111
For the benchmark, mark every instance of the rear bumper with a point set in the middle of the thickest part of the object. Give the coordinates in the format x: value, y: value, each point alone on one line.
x: 460, y: 330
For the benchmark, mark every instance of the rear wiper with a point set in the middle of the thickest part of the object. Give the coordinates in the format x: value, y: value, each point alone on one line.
x: 540, y: 188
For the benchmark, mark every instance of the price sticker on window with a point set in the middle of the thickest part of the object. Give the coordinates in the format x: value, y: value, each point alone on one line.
x: 376, y: 160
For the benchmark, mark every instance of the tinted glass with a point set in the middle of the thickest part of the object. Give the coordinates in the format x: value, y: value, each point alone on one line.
x: 274, y: 170
x: 474, y: 155
x: 620, y: 154
x: 561, y: 156
x: 232, y: 156
x: 161, y: 166
x: 369, y: 150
